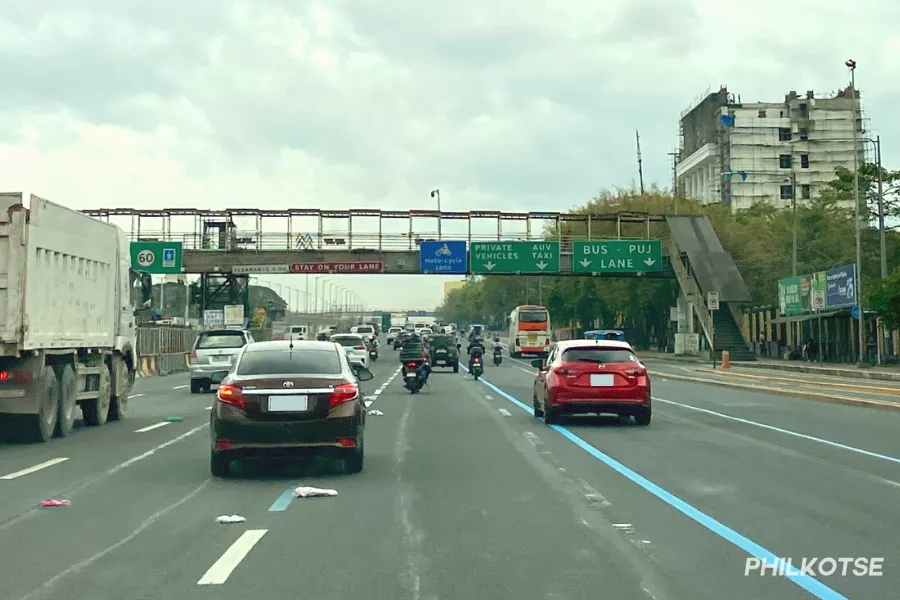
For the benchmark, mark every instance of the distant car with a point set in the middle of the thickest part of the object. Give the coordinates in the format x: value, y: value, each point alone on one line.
x: 277, y: 400
x: 213, y: 351
x: 392, y: 334
x: 364, y: 330
x: 398, y: 341
x: 355, y: 345
x: 585, y: 376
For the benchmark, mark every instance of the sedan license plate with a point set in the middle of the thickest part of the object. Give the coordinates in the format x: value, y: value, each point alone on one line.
x: 288, y: 403
x: 442, y: 352
x: 605, y: 380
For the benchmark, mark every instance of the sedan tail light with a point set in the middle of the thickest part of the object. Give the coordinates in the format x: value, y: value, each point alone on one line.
x: 193, y: 355
x: 343, y: 393
x: 360, y: 347
x: 230, y: 394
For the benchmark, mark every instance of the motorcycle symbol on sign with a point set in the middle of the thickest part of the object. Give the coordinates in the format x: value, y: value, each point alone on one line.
x: 443, y: 251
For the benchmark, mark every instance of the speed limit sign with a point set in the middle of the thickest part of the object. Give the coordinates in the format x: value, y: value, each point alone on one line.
x: 145, y: 258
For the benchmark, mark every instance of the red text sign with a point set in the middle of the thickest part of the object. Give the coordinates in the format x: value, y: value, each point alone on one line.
x: 349, y: 268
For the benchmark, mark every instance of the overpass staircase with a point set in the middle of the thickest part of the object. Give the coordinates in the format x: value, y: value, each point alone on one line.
x: 702, y: 265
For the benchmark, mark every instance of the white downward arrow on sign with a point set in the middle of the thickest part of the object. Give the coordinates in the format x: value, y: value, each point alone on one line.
x: 649, y: 262
x: 585, y: 263
x: 489, y: 266
x: 541, y: 265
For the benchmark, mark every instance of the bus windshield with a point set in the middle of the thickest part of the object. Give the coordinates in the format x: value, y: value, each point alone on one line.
x: 532, y: 316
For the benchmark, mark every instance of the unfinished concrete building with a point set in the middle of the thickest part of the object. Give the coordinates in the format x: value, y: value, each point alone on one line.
x: 744, y: 153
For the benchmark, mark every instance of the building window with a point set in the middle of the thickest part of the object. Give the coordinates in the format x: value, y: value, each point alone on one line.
x: 804, y: 161
x: 784, y: 161
x: 804, y: 111
x: 784, y: 134
x: 786, y: 192
x: 804, y: 133
x: 804, y: 191
x: 762, y: 114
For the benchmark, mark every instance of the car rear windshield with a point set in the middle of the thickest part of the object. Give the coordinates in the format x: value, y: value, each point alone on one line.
x: 442, y: 340
x: 290, y: 362
x: 598, y: 355
x: 220, y: 339
x: 348, y: 342
x: 365, y: 329
x: 532, y: 316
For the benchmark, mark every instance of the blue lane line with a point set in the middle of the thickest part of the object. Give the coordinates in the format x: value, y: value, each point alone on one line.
x: 808, y: 583
x: 283, y: 501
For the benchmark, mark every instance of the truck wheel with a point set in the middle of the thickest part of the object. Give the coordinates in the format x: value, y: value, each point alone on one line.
x: 48, y: 408
x: 68, y: 401
x: 118, y: 407
x: 95, y: 412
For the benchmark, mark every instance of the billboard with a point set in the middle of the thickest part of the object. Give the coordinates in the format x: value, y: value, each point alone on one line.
x: 822, y: 290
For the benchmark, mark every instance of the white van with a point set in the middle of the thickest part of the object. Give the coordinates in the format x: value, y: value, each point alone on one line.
x: 295, y: 332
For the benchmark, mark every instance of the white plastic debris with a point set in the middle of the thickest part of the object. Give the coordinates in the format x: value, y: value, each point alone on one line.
x: 230, y: 519
x: 311, y: 492
x: 376, y: 413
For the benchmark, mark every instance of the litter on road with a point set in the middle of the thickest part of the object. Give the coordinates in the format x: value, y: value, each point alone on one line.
x: 174, y: 419
x: 376, y: 413
x: 230, y: 519
x: 311, y: 492
x: 50, y: 503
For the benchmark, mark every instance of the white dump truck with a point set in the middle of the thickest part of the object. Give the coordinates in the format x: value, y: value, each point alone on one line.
x: 67, y: 327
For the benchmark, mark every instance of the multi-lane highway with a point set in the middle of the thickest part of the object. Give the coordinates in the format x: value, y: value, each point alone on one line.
x: 465, y: 495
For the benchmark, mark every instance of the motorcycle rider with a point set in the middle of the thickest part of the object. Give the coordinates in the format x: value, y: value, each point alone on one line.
x: 476, y: 348
x: 416, y: 348
x: 498, y: 349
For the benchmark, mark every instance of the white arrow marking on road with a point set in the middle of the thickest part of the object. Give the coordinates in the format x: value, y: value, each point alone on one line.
x: 585, y: 263
x: 541, y: 265
x: 649, y: 262
x: 505, y: 412
x: 489, y: 265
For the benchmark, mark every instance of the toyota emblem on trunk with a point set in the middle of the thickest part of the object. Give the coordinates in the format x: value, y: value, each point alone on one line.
x: 288, y: 384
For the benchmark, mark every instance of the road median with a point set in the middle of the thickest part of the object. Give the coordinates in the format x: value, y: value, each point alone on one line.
x: 833, y: 398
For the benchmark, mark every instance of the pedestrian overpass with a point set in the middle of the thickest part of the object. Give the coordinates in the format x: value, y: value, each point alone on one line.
x: 227, y: 247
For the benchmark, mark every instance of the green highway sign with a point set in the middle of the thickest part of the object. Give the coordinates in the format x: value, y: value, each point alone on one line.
x: 617, y: 256
x: 486, y: 258
x: 156, y: 258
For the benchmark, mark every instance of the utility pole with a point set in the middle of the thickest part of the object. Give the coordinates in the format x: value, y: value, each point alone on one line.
x: 794, y: 220
x: 881, y: 240
x: 851, y: 64
x: 674, y: 156
x: 637, y: 137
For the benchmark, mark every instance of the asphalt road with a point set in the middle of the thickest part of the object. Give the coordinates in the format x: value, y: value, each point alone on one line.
x: 464, y: 495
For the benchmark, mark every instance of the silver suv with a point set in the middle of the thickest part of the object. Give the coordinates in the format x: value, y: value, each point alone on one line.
x: 215, y: 351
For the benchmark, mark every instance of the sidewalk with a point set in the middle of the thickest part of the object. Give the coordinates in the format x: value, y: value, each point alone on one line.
x: 889, y: 373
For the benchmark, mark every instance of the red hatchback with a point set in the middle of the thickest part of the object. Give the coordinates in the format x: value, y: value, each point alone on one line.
x: 587, y: 376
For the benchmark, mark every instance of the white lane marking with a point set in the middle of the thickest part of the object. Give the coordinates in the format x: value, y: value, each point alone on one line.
x: 488, y: 397
x: 179, y: 387
x: 135, y: 396
x: 228, y: 562
x: 30, y: 470
x: 152, y: 427
x: 804, y: 436
x: 209, y: 408
x: 505, y: 412
x: 369, y: 403
x: 81, y: 566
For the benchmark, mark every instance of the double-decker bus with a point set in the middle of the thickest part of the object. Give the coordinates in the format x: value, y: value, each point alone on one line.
x: 529, y: 331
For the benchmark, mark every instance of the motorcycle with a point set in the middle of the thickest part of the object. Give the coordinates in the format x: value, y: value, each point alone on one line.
x: 498, y: 355
x: 414, y: 376
x: 373, y: 352
x: 477, y: 367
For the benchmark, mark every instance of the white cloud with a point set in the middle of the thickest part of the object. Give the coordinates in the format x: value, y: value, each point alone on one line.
x: 346, y: 103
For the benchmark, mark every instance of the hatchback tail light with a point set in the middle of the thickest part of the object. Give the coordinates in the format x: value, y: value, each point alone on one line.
x: 193, y: 355
x: 343, y: 393
x: 231, y: 394
x: 565, y: 371
x: 360, y: 347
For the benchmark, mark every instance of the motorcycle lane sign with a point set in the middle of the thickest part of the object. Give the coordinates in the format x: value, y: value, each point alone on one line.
x: 444, y: 257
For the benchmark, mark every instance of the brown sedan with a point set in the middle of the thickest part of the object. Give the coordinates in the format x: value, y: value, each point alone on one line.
x: 288, y: 398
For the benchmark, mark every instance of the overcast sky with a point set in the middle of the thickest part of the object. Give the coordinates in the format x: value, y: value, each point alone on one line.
x: 502, y: 104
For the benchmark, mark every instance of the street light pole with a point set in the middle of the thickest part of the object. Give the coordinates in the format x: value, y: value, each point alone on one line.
x: 881, y: 240
x: 793, y: 222
x: 851, y: 64
x: 437, y: 194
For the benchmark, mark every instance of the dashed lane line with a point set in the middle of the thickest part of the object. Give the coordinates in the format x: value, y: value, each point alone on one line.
x: 34, y: 469
x: 152, y: 427
x: 221, y: 570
